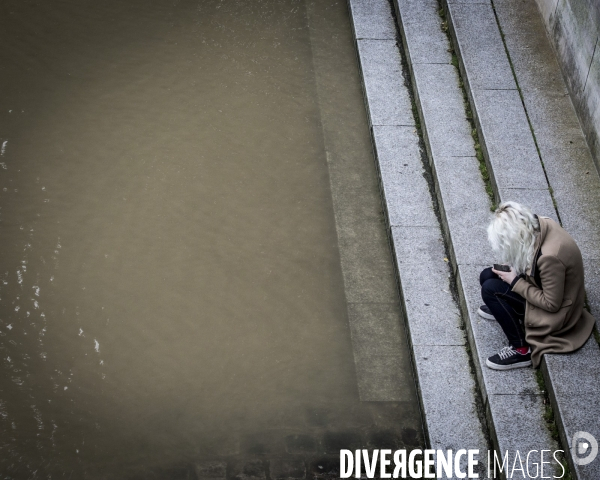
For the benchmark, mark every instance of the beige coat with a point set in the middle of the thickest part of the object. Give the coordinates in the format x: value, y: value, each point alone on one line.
x: 555, y: 320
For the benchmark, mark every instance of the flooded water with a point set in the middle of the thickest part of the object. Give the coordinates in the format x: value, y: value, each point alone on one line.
x: 170, y: 283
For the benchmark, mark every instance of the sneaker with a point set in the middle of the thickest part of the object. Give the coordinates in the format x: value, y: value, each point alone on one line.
x: 485, y: 312
x: 509, y: 358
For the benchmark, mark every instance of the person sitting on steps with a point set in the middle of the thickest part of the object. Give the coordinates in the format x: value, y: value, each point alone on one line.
x: 539, y: 303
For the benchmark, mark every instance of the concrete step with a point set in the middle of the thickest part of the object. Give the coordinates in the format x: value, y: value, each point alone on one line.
x: 575, y: 184
x: 506, y: 110
x: 446, y: 386
x: 465, y: 208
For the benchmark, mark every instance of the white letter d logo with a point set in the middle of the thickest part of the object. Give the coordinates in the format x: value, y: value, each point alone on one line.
x: 584, y: 448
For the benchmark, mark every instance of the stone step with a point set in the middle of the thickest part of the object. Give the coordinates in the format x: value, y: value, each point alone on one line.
x: 446, y: 386
x: 504, y: 108
x: 465, y: 208
x: 573, y: 380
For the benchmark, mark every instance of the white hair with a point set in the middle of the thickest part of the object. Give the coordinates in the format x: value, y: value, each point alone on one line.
x: 512, y: 233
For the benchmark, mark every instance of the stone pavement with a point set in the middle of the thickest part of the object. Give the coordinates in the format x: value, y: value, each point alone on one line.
x: 447, y: 388
x: 534, y: 152
x: 466, y: 207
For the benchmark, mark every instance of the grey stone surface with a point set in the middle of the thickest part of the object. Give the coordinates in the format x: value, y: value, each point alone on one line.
x: 432, y: 315
x: 531, y: 434
x: 470, y: 2
x: 553, y: 117
x: 446, y: 368
x: 569, y: 165
x: 376, y: 328
x: 419, y: 246
x: 590, y: 113
x: 487, y: 338
x: 372, y: 19
x: 445, y: 127
x: 469, y: 241
x: 568, y: 162
x: 569, y: 156
x: 480, y: 46
x: 427, y: 299
x: 539, y: 201
x: 507, y: 140
x: 402, y: 176
x: 567, y: 159
x: 383, y: 378
x: 579, y: 23
x: 547, y: 9
x: 514, y: 167
x: 519, y: 175
x: 387, y: 98
x: 573, y: 27
x: 531, y: 54
x: 534, y: 61
x: 581, y: 414
x: 423, y: 38
x: 587, y: 241
x: 592, y: 286
x: 575, y: 189
x: 507, y: 12
x: 585, y: 362
x: 465, y: 206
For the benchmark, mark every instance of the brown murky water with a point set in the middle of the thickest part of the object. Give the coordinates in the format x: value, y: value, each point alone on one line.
x: 170, y: 283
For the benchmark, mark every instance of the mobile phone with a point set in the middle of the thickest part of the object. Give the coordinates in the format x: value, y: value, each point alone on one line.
x: 501, y: 268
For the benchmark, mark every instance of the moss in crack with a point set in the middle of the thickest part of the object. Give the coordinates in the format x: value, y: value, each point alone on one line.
x: 442, y: 14
x: 485, y: 174
x: 548, y: 412
x: 566, y: 473
x: 454, y: 60
x: 416, y: 116
x: 551, y: 423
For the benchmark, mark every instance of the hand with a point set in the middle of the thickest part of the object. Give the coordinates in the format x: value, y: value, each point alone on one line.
x: 507, y: 277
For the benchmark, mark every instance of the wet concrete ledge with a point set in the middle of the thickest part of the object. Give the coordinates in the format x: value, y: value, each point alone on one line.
x: 446, y: 385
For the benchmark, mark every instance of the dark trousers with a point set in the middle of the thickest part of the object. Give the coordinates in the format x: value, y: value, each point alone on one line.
x: 507, y: 306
